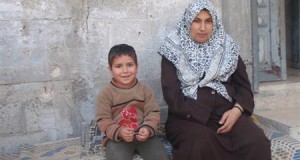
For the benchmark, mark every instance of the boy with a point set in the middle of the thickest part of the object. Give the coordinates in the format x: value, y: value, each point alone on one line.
x: 127, y: 111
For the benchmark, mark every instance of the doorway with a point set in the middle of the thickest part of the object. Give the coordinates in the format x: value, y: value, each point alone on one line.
x: 292, y: 12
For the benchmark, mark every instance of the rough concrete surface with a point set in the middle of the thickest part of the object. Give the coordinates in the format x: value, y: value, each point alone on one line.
x: 53, y: 59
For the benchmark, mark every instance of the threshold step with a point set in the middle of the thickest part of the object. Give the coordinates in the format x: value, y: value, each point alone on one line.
x: 284, y: 120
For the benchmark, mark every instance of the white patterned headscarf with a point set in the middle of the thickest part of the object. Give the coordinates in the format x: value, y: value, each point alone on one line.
x: 205, y: 64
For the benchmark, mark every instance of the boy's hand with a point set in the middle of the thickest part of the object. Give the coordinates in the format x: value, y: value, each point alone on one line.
x: 143, y: 134
x: 127, y: 134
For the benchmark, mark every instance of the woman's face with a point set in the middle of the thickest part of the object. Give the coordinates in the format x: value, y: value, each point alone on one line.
x: 202, y: 27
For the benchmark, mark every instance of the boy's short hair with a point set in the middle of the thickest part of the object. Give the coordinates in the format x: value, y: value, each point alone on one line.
x: 119, y: 50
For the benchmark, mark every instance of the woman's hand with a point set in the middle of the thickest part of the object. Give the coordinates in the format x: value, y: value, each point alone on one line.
x: 127, y: 134
x: 143, y: 134
x: 228, y: 120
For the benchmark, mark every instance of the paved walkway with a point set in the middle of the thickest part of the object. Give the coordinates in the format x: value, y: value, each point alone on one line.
x: 283, y: 147
x: 69, y: 149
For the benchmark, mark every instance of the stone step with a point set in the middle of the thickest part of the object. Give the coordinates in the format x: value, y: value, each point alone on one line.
x: 284, y: 120
x: 277, y: 104
x: 278, y: 95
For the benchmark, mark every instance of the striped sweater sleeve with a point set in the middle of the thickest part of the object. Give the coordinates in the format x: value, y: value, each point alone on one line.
x: 103, y: 115
x: 151, y: 111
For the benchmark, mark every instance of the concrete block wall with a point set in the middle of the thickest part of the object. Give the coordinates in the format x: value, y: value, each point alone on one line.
x: 53, y: 60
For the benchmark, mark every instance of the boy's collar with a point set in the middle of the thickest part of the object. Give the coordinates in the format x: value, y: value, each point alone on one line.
x: 128, y: 86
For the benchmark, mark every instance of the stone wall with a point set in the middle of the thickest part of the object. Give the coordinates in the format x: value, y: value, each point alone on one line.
x: 53, y: 59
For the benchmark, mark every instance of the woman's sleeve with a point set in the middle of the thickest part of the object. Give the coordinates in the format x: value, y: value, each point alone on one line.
x: 170, y: 84
x: 243, y: 93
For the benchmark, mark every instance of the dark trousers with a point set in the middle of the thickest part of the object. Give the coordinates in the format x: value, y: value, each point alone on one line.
x: 152, y: 149
x: 196, y: 141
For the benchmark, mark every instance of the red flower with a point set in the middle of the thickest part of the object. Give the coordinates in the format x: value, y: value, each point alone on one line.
x: 129, y: 118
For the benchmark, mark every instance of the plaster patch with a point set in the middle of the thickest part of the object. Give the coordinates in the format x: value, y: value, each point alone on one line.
x: 45, y: 97
x: 56, y: 72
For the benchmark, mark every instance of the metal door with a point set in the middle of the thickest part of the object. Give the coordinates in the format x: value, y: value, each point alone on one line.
x: 268, y: 41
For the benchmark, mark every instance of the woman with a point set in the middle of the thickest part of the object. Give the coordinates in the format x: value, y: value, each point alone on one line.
x: 207, y: 90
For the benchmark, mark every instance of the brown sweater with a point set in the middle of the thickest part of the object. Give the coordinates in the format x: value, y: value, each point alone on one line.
x: 135, y: 107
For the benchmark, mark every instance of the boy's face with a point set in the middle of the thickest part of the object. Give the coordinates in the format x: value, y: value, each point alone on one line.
x: 124, y: 70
